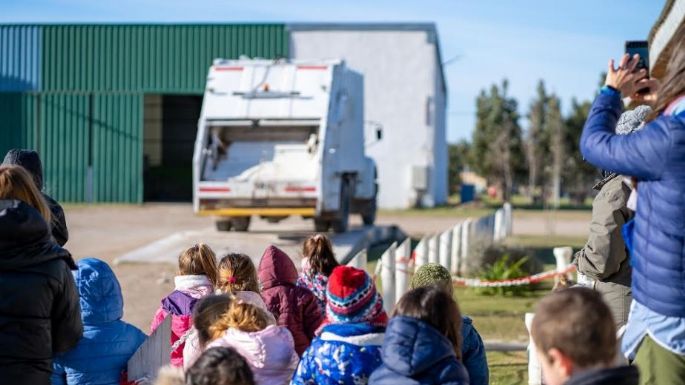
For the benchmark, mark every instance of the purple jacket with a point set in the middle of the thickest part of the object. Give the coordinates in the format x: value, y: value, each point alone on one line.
x: 293, y: 307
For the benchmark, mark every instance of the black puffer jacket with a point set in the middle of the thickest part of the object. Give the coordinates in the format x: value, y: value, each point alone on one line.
x: 39, y: 304
x: 30, y: 160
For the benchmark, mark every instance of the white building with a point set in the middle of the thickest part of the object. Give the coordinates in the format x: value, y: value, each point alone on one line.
x: 404, y: 90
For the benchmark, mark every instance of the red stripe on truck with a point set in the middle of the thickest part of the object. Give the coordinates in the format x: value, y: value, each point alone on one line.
x: 228, y: 68
x: 306, y: 67
x: 300, y: 189
x: 215, y: 189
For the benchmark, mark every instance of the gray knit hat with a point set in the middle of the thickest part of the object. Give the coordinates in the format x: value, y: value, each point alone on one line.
x: 633, y: 120
x: 431, y: 274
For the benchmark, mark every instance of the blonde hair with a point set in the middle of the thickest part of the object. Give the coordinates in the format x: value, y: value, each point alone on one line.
x: 242, y: 316
x: 237, y: 273
x: 17, y: 183
x: 198, y: 260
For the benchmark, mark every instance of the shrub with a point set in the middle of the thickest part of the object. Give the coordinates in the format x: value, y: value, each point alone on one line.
x: 501, y: 269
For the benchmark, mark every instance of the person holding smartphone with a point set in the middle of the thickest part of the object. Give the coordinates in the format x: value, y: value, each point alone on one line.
x: 655, y: 156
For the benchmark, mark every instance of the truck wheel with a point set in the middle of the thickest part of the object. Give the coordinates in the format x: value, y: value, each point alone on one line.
x: 321, y: 225
x: 340, y: 223
x: 240, y: 223
x: 223, y: 224
x: 369, y: 213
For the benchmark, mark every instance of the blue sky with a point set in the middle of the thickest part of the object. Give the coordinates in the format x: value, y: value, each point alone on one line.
x: 566, y: 43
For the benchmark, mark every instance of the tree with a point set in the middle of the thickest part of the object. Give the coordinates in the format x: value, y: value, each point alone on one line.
x: 578, y: 175
x: 459, y: 154
x: 497, y: 146
x: 536, y: 146
x: 556, y: 132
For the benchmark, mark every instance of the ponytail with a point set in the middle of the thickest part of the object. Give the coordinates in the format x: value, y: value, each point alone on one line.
x: 319, y: 251
x: 198, y: 260
x: 242, y: 316
x: 237, y: 273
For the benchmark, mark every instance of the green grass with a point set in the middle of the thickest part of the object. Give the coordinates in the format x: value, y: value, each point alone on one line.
x: 508, y: 368
x: 442, y: 211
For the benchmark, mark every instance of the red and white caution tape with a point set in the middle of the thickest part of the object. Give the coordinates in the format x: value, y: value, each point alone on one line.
x: 475, y: 282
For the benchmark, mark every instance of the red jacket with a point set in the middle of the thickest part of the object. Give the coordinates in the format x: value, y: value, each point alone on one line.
x: 293, y: 307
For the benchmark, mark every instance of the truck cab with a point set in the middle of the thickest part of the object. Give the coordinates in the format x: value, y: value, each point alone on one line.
x: 282, y: 138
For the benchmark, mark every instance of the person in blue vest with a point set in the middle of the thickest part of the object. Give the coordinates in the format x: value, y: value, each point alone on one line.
x: 655, y: 156
x: 101, y: 356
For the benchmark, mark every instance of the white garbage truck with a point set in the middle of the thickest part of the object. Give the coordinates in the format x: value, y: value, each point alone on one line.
x: 283, y: 138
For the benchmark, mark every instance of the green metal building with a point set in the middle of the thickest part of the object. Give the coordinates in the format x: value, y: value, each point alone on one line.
x: 112, y: 109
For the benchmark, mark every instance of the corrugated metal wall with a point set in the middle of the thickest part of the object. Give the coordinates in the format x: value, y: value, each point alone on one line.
x: 20, y: 58
x: 18, y: 115
x: 148, y: 58
x: 87, y: 119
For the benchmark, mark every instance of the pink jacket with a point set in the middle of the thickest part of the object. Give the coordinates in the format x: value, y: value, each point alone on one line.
x: 269, y: 352
x: 192, y: 350
x: 179, y: 304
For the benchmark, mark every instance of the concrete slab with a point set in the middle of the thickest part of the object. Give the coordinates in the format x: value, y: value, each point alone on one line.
x: 253, y: 243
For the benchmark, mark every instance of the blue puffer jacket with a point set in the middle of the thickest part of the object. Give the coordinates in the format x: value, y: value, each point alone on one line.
x: 415, y: 353
x: 473, y: 354
x: 656, y: 157
x: 344, y: 354
x: 101, y: 355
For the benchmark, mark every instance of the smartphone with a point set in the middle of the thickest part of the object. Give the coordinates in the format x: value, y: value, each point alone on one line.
x: 640, y: 47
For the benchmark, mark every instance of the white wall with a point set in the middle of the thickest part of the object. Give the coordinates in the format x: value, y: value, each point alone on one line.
x: 399, y: 68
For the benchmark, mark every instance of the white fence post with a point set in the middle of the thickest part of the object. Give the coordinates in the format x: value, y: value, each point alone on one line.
x: 154, y: 353
x: 388, y: 277
x: 445, y: 249
x: 563, y: 257
x: 534, y: 368
x: 499, y: 230
x: 421, y: 251
x: 465, y: 235
x: 434, y: 249
x: 455, y: 250
x: 359, y: 261
x: 402, y: 262
x: 508, y: 219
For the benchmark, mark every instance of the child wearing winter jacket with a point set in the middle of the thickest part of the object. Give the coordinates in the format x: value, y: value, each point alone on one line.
x: 207, y: 311
x: 422, y: 341
x: 196, y: 279
x: 238, y: 277
x: 318, y: 264
x: 268, y: 349
x: 472, y: 350
x: 348, y: 348
x: 293, y: 307
x: 102, y: 354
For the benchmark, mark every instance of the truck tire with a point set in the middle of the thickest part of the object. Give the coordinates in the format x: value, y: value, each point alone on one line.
x: 341, y: 223
x: 321, y: 225
x: 369, y: 213
x: 240, y: 224
x: 223, y: 224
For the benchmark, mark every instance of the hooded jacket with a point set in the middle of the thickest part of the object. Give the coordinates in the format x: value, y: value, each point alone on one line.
x: 108, y: 343
x: 294, y: 307
x: 30, y: 160
x: 269, y: 352
x: 39, y: 305
x: 179, y: 306
x: 656, y: 157
x: 416, y: 353
x: 343, y: 354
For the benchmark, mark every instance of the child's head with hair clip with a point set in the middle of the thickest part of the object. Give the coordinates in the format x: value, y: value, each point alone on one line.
x: 237, y: 273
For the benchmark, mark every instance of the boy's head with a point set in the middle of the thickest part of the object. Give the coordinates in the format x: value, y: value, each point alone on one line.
x: 220, y: 366
x: 573, y: 330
